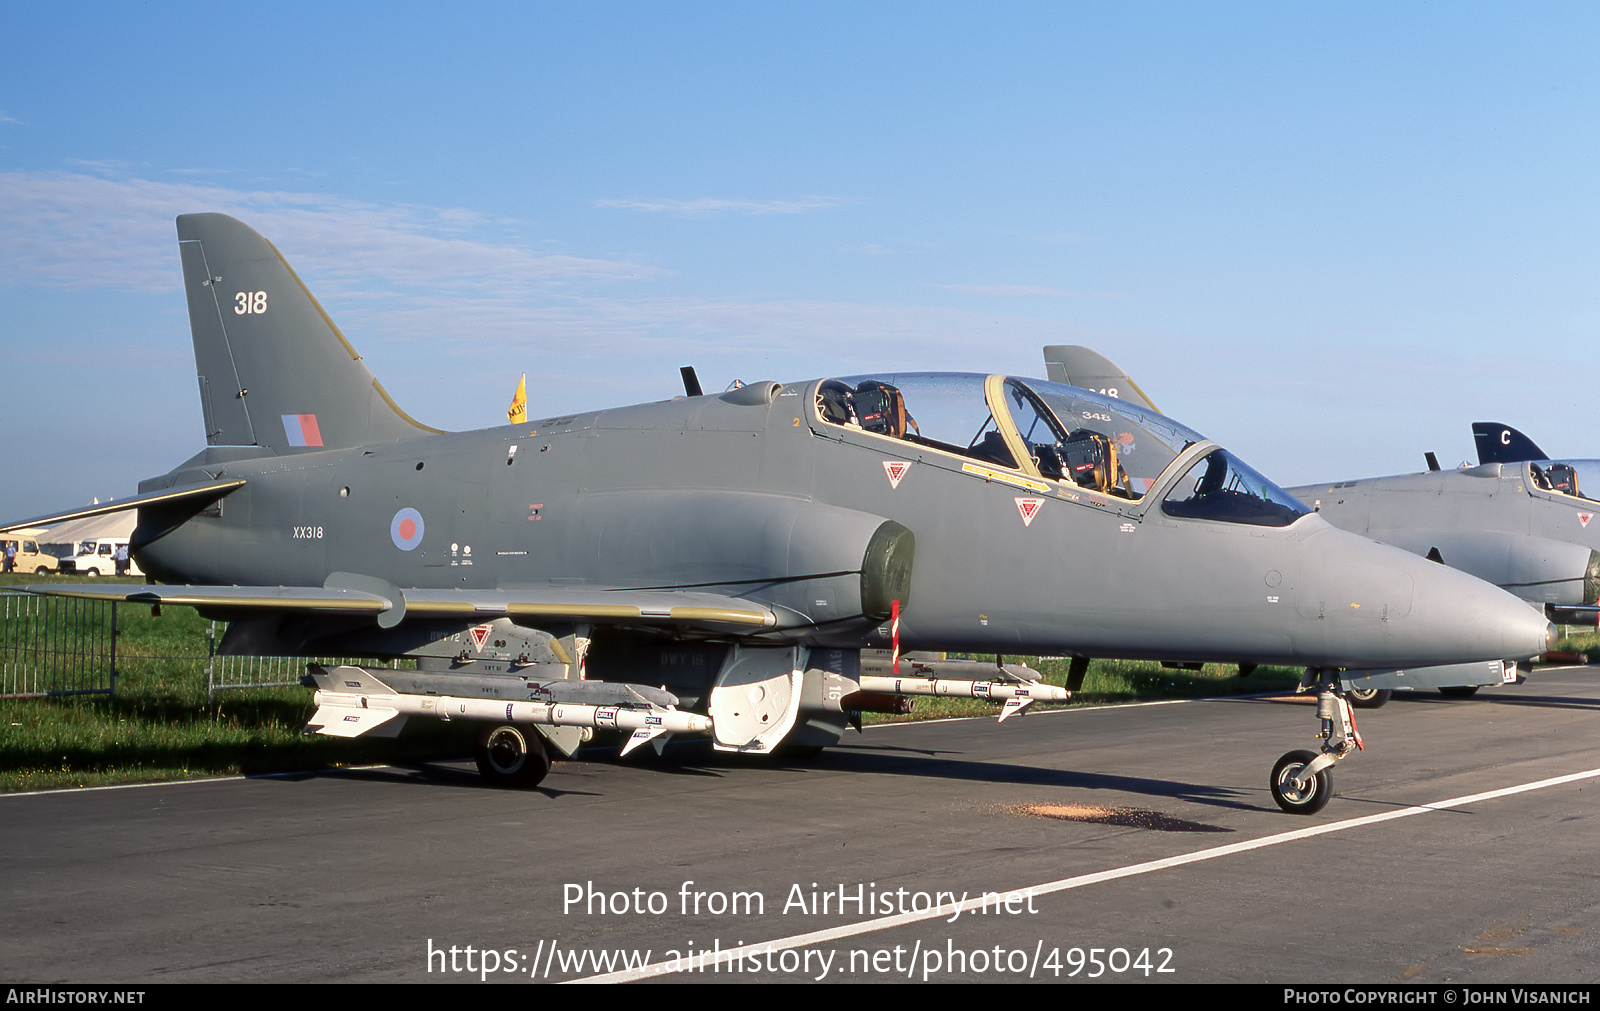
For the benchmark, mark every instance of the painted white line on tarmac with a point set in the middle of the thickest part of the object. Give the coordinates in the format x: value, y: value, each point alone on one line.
x: 700, y: 960
x: 118, y: 786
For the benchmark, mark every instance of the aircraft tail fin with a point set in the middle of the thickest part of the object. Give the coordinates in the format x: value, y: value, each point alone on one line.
x: 1076, y: 365
x: 274, y: 369
x: 1499, y: 443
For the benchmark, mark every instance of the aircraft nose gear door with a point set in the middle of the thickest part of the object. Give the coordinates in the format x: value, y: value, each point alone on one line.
x: 757, y: 697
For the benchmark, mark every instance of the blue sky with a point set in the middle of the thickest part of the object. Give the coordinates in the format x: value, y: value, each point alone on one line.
x: 1329, y: 236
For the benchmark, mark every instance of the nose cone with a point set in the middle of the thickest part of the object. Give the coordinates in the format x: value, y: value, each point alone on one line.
x: 1371, y: 605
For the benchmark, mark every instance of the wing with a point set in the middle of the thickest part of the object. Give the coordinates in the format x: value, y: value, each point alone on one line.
x: 356, y: 596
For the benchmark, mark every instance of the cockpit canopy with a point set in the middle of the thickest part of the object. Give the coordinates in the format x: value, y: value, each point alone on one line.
x: 1054, y: 432
x: 1578, y: 478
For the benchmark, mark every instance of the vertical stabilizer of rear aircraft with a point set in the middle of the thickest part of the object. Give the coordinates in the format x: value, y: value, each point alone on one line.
x: 274, y: 369
x: 1078, y: 366
x: 1499, y: 443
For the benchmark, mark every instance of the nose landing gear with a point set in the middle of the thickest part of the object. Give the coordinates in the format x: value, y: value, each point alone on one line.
x: 1302, y: 781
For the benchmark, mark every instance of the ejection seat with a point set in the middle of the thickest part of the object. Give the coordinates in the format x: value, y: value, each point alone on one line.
x: 881, y: 408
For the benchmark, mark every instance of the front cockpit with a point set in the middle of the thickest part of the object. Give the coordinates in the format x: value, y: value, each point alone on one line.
x: 1071, y: 438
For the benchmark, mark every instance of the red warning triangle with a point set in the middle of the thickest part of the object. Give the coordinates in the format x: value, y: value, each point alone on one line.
x: 1584, y: 518
x: 1029, y: 508
x: 480, y: 633
x: 896, y: 469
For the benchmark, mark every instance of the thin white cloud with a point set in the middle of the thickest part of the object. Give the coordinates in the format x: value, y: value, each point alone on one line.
x: 403, y: 282
x: 1026, y: 291
x: 714, y: 205
x: 1009, y: 290
x: 81, y: 230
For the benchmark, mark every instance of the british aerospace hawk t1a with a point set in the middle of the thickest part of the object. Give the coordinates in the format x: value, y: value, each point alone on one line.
x: 1518, y: 519
x: 718, y: 563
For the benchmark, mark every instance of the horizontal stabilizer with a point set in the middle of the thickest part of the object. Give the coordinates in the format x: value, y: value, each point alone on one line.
x: 209, y: 492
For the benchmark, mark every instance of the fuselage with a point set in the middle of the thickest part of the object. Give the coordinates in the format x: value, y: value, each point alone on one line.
x: 1498, y: 521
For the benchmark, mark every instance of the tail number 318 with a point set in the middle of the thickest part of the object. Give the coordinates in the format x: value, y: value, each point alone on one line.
x: 250, y: 303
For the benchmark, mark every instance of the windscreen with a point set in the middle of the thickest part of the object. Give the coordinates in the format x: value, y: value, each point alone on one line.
x: 1219, y: 487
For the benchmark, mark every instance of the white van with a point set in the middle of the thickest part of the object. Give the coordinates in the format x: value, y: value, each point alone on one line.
x: 30, y: 557
x: 95, y: 558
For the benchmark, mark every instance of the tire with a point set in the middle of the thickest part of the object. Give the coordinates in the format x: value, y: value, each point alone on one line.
x: 1308, y: 801
x: 509, y: 755
x: 1368, y: 698
x: 1459, y: 691
x: 41, y: 571
x: 91, y: 573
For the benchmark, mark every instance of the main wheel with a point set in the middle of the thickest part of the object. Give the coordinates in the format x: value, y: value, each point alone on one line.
x: 1459, y: 691
x: 1368, y: 698
x: 508, y: 755
x: 1291, y: 798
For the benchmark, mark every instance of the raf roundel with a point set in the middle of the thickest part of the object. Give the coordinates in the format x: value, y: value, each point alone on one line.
x: 406, y: 529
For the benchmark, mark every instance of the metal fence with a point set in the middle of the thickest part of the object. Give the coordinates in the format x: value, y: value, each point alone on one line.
x: 225, y: 672
x: 68, y: 646
x: 57, y: 646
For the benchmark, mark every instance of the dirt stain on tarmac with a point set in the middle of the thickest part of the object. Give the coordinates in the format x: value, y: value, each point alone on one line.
x: 1127, y: 817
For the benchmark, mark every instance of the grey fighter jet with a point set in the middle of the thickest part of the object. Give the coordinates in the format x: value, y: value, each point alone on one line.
x: 718, y: 563
x: 1518, y: 519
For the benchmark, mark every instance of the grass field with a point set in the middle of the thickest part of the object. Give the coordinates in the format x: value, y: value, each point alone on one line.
x: 160, y: 725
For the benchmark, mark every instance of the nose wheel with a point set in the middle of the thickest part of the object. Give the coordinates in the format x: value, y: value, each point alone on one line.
x: 1287, y: 776
x: 1302, y: 781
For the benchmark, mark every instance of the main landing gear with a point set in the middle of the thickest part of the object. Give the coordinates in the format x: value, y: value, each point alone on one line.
x: 512, y: 755
x: 1302, y: 781
x: 1368, y: 698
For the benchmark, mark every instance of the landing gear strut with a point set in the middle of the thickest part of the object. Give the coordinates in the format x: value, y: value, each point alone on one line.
x: 1302, y: 781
